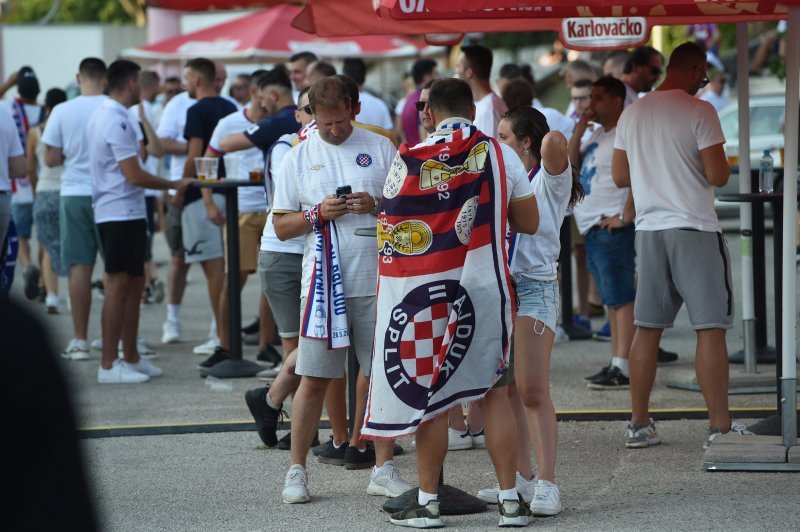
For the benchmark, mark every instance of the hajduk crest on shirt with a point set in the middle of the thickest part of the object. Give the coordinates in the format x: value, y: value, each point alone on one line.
x: 444, y: 302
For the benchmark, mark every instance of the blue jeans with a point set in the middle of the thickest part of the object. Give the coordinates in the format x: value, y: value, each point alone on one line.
x: 611, y: 260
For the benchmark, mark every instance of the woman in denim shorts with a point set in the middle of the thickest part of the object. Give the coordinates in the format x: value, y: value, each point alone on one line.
x: 534, y: 265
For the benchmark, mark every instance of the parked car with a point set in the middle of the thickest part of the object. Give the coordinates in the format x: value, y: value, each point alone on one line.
x: 766, y: 119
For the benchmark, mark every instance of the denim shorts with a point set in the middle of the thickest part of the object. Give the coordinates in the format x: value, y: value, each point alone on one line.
x: 22, y: 214
x: 538, y: 300
x: 611, y: 260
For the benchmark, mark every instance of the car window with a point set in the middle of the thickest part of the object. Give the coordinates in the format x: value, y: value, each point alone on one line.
x: 765, y: 120
x: 730, y: 124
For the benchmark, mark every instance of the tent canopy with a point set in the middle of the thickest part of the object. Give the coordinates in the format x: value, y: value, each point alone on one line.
x: 267, y: 35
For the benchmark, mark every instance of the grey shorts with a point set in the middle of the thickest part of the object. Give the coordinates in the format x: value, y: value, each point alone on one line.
x: 280, y: 275
x: 174, y: 232
x: 80, y: 241
x: 683, y: 265
x: 202, y: 239
x: 315, y: 360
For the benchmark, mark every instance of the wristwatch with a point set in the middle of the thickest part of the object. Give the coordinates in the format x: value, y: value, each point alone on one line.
x: 621, y: 218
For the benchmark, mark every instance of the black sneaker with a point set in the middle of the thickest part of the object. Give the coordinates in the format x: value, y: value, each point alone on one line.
x: 331, y: 455
x: 514, y: 513
x: 42, y: 297
x: 321, y: 447
x: 599, y: 375
x: 354, y: 458
x: 269, y: 357
x: 612, y: 380
x: 285, y: 443
x: 219, y: 355
x: 417, y: 516
x: 665, y: 357
x: 31, y: 278
x: 266, y: 417
x: 251, y: 328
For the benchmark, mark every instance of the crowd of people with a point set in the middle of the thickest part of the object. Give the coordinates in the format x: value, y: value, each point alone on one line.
x: 468, y: 211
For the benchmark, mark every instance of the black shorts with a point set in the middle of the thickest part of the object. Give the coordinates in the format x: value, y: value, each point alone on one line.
x: 124, y: 246
x: 150, y: 203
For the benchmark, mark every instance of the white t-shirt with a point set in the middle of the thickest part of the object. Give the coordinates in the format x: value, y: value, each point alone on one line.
x: 555, y: 120
x: 536, y: 256
x: 171, y: 126
x: 602, y: 197
x: 313, y: 170
x: 10, y: 146
x: 489, y: 110
x: 251, y: 199
x: 663, y: 135
x: 374, y: 111
x: 269, y: 240
x: 66, y: 129
x: 151, y: 164
x: 112, y: 138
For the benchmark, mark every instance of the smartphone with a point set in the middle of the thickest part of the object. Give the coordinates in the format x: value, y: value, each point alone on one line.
x: 342, y: 192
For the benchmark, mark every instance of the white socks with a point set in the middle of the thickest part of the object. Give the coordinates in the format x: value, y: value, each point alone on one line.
x: 271, y: 404
x: 424, y: 498
x: 174, y: 313
x: 622, y: 364
x: 508, y: 495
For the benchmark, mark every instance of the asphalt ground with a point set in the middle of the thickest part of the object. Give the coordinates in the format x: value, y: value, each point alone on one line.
x: 204, y: 480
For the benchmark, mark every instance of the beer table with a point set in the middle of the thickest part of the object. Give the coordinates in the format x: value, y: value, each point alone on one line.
x: 235, y: 366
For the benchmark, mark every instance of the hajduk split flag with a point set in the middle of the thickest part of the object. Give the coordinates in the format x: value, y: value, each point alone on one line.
x: 445, y: 298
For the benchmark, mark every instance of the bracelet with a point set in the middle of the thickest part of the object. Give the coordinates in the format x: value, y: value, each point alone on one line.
x: 375, y: 206
x: 313, y: 216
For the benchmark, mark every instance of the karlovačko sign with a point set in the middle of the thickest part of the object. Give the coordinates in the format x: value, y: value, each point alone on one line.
x: 604, y: 32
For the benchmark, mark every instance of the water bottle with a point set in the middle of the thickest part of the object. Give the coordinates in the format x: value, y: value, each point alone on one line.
x: 766, y: 176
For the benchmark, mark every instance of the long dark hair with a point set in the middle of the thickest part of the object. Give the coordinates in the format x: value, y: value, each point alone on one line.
x: 528, y: 122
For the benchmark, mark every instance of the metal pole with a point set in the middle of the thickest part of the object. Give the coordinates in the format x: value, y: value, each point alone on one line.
x: 745, y: 211
x: 788, y: 318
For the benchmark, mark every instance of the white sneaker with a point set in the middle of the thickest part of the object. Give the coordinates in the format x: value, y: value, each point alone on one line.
x: 171, y: 332
x: 97, y: 344
x: 120, y: 373
x: 76, y: 350
x: 458, y: 441
x: 146, y: 367
x: 525, y: 487
x: 52, y: 303
x: 295, y: 489
x: 206, y: 348
x: 478, y: 439
x: 546, y: 499
x: 386, y: 481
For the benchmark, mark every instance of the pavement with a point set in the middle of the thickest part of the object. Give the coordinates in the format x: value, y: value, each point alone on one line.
x: 227, y: 481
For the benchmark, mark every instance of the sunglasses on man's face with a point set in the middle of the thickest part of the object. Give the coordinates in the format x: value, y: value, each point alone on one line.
x: 306, y: 109
x: 656, y: 71
x: 421, y: 105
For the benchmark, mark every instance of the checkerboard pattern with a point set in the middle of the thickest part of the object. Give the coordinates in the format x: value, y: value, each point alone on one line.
x: 421, y: 341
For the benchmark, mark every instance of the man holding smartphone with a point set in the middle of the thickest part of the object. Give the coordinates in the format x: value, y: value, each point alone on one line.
x: 314, y: 197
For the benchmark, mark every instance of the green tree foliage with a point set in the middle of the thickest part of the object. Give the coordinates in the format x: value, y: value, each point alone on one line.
x: 70, y: 11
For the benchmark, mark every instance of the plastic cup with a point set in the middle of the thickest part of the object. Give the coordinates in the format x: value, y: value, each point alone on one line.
x: 232, y: 166
x: 206, y: 168
x: 257, y: 174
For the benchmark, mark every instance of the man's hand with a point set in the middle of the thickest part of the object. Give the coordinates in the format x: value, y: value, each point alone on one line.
x: 182, y: 184
x: 179, y: 197
x: 613, y: 222
x: 333, y: 207
x: 360, y: 203
x: 216, y: 216
x: 587, y: 116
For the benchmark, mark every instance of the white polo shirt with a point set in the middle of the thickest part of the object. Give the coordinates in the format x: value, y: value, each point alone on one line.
x: 313, y: 170
x: 66, y: 129
x: 10, y: 146
x: 251, y: 199
x: 112, y: 138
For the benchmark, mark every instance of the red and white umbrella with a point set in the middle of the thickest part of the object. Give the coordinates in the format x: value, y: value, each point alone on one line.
x: 268, y: 35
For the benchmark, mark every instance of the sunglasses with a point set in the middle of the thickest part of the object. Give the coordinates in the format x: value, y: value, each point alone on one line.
x: 656, y: 71
x: 420, y: 105
x: 306, y: 109
x: 704, y: 81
